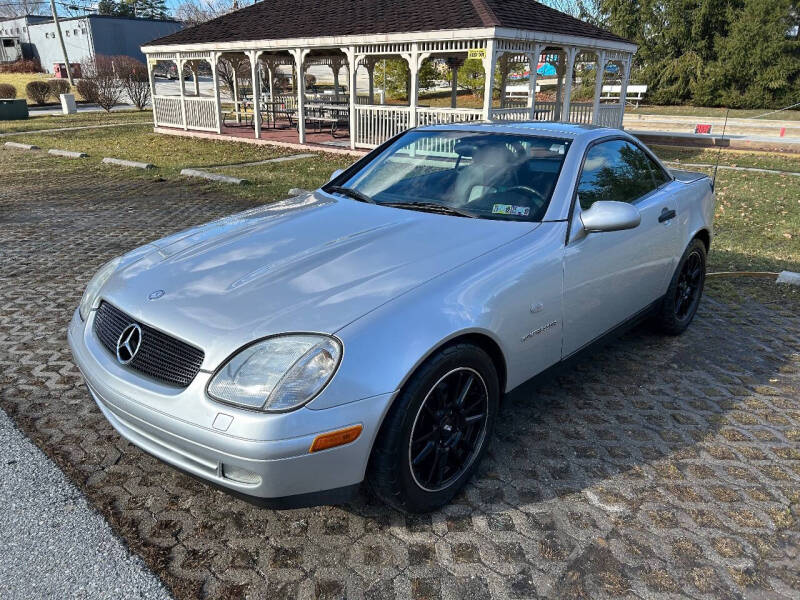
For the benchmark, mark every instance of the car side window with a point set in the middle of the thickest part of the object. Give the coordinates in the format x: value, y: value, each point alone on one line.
x: 660, y: 177
x: 616, y: 170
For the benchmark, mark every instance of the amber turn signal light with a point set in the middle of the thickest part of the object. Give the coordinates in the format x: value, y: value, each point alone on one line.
x: 335, y: 438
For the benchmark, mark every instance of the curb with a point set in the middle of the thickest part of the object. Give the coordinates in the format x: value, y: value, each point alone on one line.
x: 19, y: 146
x: 127, y: 163
x: 789, y: 277
x: 212, y: 176
x: 67, y: 153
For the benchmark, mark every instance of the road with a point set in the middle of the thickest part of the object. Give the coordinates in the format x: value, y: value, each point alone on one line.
x: 54, y: 544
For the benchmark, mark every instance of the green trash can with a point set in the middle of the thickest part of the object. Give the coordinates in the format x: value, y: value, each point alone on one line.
x: 11, y: 110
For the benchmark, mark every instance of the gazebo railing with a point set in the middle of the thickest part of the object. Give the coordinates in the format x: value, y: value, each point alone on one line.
x: 167, y: 111
x: 511, y: 114
x: 610, y: 115
x: 201, y: 113
x: 438, y: 116
x: 581, y: 112
x: 376, y: 124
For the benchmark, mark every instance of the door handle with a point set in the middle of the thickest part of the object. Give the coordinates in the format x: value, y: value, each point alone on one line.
x: 666, y: 215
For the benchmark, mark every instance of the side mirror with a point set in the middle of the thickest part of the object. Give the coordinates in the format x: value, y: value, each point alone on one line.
x: 610, y: 216
x: 335, y: 174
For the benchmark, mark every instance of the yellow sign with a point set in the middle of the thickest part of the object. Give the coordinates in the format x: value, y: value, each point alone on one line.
x: 479, y: 53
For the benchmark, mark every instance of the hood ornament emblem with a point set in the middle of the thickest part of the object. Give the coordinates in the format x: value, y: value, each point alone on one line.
x: 156, y: 294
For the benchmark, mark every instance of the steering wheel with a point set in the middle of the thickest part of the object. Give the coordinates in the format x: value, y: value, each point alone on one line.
x: 537, y: 196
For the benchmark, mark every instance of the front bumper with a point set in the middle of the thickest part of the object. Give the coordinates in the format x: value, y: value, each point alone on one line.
x: 256, y: 454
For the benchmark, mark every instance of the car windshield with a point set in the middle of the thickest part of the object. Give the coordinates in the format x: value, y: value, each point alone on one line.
x: 464, y: 173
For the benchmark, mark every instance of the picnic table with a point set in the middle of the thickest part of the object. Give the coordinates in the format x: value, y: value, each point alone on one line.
x: 324, y: 115
x: 239, y: 115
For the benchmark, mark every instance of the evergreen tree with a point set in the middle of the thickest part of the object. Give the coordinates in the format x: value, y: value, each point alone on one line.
x: 711, y: 52
x: 759, y: 60
x: 151, y: 9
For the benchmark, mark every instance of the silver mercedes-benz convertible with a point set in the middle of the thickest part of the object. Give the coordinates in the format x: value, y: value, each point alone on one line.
x: 368, y: 330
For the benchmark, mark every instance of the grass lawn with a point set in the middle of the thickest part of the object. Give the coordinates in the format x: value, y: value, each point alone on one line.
x: 732, y: 158
x: 700, y: 111
x: 136, y: 142
x: 20, y: 80
x: 80, y: 119
x: 170, y: 154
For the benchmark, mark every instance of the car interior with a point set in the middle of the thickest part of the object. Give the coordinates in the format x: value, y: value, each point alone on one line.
x: 493, y: 176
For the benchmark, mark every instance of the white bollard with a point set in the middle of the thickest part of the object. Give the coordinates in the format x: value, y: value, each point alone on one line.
x: 68, y: 106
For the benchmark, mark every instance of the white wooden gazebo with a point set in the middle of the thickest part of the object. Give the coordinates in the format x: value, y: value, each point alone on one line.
x: 358, y: 33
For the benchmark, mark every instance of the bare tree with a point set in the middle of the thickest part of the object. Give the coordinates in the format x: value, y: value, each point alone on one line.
x: 582, y: 9
x: 134, y: 79
x: 195, y: 12
x: 100, y: 72
x: 231, y: 64
x: 18, y: 8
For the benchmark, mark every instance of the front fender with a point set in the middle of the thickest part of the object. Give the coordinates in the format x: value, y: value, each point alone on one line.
x: 503, y: 295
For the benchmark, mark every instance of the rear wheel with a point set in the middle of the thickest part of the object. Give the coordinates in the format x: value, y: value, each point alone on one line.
x: 683, y: 296
x: 437, y: 431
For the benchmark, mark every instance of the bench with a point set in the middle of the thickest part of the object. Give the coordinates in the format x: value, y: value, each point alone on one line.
x: 635, y: 94
x: 240, y: 118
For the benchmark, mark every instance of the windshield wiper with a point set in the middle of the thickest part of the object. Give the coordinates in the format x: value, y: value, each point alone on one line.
x: 351, y: 193
x: 432, y: 207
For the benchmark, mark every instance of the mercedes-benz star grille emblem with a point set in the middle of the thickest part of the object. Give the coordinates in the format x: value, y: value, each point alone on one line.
x: 128, y: 343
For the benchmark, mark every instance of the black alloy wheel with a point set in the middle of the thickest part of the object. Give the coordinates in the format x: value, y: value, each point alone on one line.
x: 679, y: 305
x: 690, y: 285
x: 448, y: 430
x: 437, y: 430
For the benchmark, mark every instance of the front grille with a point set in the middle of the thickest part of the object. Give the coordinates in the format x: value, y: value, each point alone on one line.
x: 160, y: 356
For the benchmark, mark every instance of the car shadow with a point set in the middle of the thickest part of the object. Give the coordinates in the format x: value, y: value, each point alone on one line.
x: 632, y: 404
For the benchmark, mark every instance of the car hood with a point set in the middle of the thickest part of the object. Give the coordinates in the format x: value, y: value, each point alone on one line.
x: 313, y: 263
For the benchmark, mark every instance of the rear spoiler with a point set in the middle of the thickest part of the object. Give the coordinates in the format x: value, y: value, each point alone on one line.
x: 687, y: 176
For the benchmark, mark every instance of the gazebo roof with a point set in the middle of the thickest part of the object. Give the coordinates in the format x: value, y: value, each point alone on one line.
x: 289, y: 19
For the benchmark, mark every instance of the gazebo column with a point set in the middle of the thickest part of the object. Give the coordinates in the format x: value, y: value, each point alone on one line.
x: 352, y: 71
x: 369, y: 64
x: 236, y: 107
x: 489, y: 63
x: 336, y: 66
x: 151, y: 62
x: 454, y: 63
x: 533, y: 61
x: 572, y: 54
x: 598, y: 86
x: 215, y: 83
x: 623, y: 94
x: 414, y: 59
x: 504, y: 66
x: 195, y: 76
x: 299, y: 55
x: 255, y: 83
x: 560, y: 66
x: 181, y: 81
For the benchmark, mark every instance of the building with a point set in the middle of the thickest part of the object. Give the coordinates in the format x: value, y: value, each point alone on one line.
x: 360, y: 33
x: 84, y: 37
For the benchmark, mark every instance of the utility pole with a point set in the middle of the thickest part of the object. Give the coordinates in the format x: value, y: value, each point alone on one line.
x: 61, y: 41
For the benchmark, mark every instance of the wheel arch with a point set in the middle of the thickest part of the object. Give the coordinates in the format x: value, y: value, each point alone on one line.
x: 479, y: 338
x: 704, y: 235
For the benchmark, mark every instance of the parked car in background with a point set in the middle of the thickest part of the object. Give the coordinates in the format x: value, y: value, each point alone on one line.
x: 369, y: 330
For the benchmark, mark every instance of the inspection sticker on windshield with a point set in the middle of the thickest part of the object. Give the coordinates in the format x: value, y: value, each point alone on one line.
x: 510, y: 209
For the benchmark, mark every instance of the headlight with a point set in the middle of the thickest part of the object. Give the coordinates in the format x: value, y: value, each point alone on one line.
x: 279, y: 373
x: 93, y: 288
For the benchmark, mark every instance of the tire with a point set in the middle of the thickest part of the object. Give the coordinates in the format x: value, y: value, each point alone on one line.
x: 427, y: 411
x: 677, y: 308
